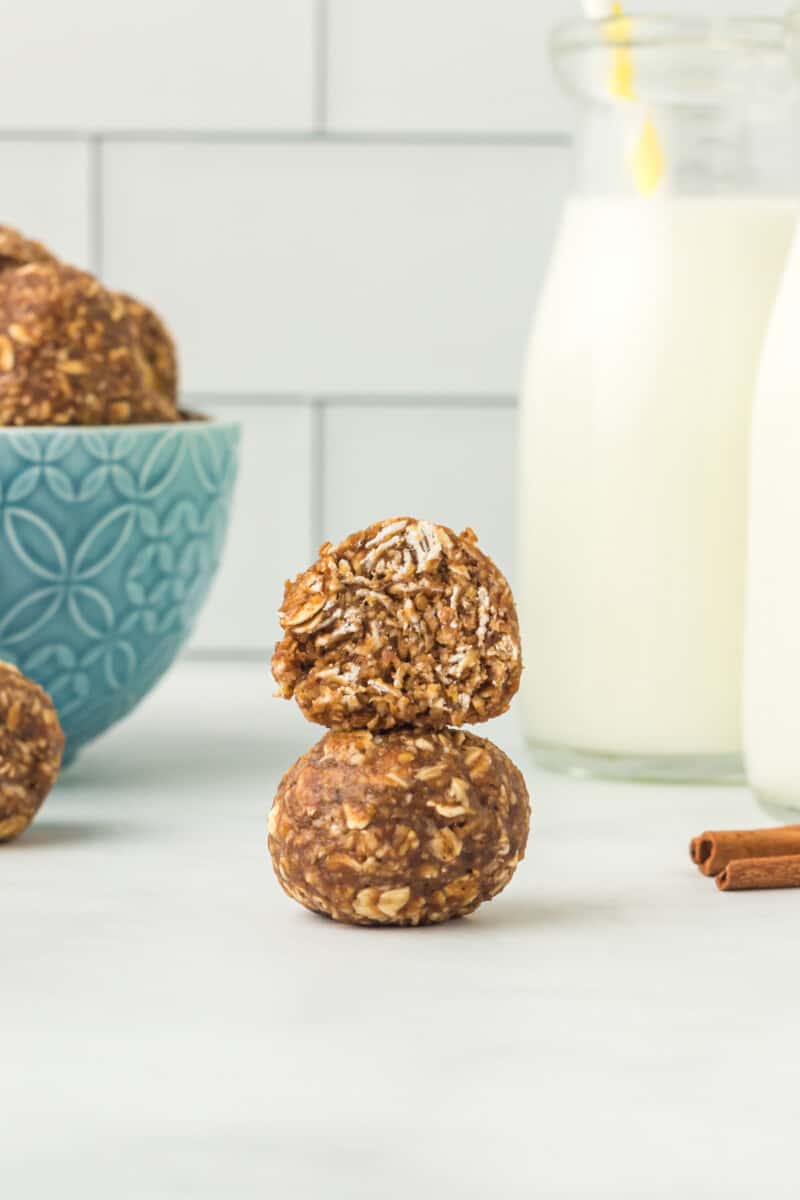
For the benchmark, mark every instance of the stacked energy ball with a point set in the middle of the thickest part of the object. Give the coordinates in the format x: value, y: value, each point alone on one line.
x: 394, y: 639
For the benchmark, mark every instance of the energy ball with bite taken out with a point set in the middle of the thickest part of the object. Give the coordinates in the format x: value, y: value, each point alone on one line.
x: 403, y: 623
x: 401, y: 828
x: 69, y: 353
x: 31, y: 745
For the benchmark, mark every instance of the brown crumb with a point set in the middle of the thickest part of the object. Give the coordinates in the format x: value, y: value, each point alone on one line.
x: 31, y: 745
x: 403, y: 623
x: 400, y: 828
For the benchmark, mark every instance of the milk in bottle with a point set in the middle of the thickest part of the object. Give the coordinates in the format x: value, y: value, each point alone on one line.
x: 772, y: 641
x: 634, y: 433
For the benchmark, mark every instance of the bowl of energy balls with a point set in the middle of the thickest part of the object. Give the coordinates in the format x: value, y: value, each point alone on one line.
x: 114, y: 504
x: 395, y: 639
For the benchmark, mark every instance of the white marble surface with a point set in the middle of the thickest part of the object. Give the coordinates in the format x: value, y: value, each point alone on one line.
x: 174, y: 1027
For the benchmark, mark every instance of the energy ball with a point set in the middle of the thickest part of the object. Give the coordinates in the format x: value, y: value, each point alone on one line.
x: 16, y: 250
x: 31, y: 745
x: 399, y: 828
x: 69, y: 354
x: 157, y: 348
x: 404, y: 623
x: 157, y: 359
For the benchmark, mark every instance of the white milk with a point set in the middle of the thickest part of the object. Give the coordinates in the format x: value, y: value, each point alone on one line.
x: 636, y: 410
x: 772, y: 654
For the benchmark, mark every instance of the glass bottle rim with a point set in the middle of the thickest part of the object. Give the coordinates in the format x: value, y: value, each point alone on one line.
x: 632, y: 30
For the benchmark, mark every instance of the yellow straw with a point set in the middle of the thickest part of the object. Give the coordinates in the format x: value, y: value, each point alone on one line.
x: 646, y: 158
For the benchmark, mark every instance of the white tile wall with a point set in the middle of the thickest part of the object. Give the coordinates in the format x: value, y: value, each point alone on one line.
x: 717, y: 8
x: 336, y: 268
x: 466, y: 66
x: 463, y: 65
x: 343, y: 207
x: 452, y: 463
x: 271, y: 528
x: 45, y: 189
x: 157, y: 64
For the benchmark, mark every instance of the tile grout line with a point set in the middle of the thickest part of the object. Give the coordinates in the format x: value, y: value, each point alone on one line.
x: 266, y: 137
x: 317, y: 466
x: 322, y: 401
x: 226, y: 654
x: 319, y: 102
x: 489, y: 400
x: 95, y: 205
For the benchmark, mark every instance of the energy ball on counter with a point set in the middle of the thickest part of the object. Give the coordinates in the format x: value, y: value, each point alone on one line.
x: 402, y: 828
x: 157, y: 347
x: 17, y: 251
x: 31, y: 745
x: 69, y: 354
x: 404, y: 623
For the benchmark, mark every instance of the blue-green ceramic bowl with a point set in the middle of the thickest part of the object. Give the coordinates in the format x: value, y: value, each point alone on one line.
x: 109, y: 541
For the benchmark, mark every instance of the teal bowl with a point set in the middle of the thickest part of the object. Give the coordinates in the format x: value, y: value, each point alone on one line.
x: 110, y: 538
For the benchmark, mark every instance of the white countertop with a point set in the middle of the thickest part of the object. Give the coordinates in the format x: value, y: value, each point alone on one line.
x: 173, y: 1026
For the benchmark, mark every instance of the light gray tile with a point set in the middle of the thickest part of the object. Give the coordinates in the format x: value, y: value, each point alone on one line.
x: 401, y: 268
x: 269, y: 538
x: 156, y: 64
x: 452, y: 464
x: 466, y: 65
x: 45, y: 193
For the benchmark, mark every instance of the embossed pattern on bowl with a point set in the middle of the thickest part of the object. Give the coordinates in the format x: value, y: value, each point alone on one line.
x: 110, y: 540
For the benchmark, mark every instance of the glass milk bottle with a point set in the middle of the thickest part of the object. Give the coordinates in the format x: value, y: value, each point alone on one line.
x: 637, y: 394
x: 772, y: 628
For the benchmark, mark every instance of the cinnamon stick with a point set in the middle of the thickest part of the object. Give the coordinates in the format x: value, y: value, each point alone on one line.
x: 747, y: 874
x: 713, y: 850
